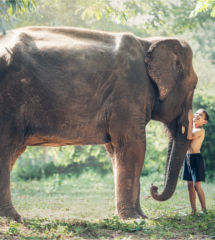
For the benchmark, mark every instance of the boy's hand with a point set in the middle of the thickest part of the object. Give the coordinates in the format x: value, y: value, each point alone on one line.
x: 190, y: 115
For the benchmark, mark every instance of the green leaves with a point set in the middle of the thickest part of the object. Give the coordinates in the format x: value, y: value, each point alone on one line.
x: 203, y: 6
x: 100, y: 8
x: 8, y: 9
x: 37, y: 162
x: 139, y: 226
x: 20, y: 5
x: 116, y: 224
x: 13, y: 228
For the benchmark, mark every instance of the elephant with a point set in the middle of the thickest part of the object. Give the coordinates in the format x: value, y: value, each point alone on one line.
x: 71, y: 86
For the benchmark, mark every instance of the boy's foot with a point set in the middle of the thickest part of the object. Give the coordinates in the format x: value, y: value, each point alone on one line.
x: 204, y: 210
x: 191, y: 213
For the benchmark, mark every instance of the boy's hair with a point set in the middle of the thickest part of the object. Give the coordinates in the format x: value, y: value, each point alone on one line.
x: 206, y: 114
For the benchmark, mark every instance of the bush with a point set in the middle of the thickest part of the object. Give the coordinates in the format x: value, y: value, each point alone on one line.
x: 37, y: 162
x: 28, y: 169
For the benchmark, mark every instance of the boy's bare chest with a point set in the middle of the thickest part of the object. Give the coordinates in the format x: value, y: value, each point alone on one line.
x: 196, y: 144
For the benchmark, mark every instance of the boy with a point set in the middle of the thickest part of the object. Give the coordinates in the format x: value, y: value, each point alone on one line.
x: 194, y: 164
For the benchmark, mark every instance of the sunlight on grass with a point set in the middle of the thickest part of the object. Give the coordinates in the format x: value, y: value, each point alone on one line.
x: 63, y: 206
x: 86, y: 197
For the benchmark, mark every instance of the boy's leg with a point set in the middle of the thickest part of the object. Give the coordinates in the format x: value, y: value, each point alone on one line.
x: 201, y: 194
x: 192, y: 195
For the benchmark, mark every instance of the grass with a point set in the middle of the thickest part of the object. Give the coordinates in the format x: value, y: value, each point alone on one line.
x: 64, y: 207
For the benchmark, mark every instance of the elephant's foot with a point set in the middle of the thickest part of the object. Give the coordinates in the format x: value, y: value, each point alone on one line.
x: 128, y: 214
x: 10, y: 212
x: 140, y: 212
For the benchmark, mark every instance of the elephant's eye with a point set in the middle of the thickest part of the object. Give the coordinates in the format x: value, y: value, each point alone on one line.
x: 194, y: 87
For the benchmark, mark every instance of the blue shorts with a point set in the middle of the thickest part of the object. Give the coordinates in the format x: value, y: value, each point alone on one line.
x: 194, y: 168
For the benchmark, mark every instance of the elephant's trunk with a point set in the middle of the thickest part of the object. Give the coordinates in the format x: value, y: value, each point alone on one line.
x: 178, y: 146
x: 169, y: 150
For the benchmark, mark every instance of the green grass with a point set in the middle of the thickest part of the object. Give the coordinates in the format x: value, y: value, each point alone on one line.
x: 63, y: 207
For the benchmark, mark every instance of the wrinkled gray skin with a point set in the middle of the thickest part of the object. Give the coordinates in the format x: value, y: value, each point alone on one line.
x: 68, y: 86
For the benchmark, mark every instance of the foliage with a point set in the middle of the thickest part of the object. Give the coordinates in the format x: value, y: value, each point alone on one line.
x: 38, y: 162
x: 20, y: 5
x: 116, y: 224
x: 163, y: 16
x: 203, y: 6
x: 64, y: 207
x: 156, y: 148
x: 8, y: 8
x: 97, y: 7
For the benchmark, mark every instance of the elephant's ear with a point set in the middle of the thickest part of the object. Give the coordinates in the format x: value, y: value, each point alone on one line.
x: 164, y: 65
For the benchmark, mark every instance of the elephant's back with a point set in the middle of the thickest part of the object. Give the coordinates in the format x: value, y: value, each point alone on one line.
x: 57, y: 39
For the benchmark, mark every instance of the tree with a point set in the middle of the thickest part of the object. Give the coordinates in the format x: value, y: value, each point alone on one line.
x: 169, y: 16
x: 203, y: 6
x: 8, y: 8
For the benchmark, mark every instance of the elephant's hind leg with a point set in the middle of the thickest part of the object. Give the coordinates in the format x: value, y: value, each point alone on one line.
x: 110, y: 151
x: 8, y: 153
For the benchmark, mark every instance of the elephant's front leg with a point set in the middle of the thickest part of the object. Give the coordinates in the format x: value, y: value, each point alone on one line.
x: 112, y: 156
x: 129, y: 158
x: 138, y: 207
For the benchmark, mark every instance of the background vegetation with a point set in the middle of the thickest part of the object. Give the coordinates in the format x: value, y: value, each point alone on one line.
x: 143, y: 18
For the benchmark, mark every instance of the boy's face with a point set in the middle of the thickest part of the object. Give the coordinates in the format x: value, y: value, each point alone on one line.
x: 199, y: 118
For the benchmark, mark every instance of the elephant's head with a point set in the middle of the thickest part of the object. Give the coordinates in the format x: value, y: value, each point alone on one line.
x: 169, y: 65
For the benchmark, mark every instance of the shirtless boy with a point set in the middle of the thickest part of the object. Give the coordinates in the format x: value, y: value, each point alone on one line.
x: 194, y: 164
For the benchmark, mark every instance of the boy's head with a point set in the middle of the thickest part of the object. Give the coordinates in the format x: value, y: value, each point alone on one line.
x: 200, y: 118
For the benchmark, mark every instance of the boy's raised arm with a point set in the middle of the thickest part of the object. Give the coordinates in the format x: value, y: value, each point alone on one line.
x: 190, y: 125
x: 190, y: 133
